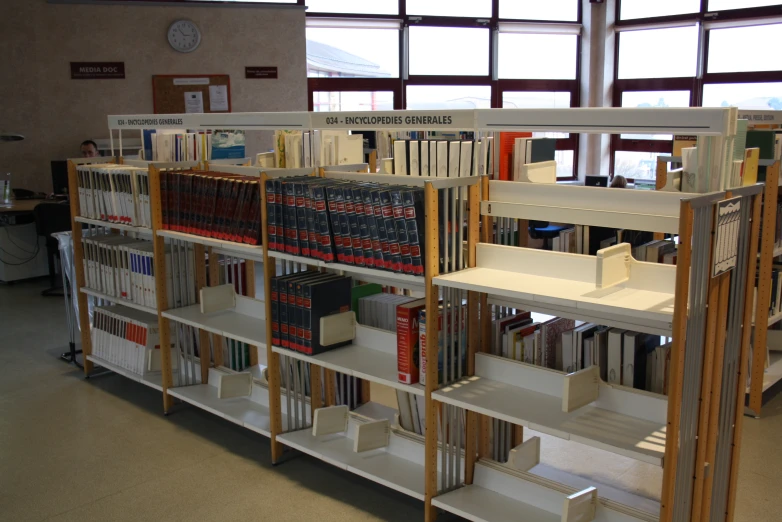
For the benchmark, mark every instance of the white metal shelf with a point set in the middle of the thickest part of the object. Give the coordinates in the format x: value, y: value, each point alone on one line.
x: 152, y: 379
x: 250, y: 329
x: 251, y: 252
x: 372, y: 357
x: 619, y: 421
x: 370, y: 275
x: 120, y: 301
x: 772, y: 374
x: 118, y: 226
x: 484, y: 505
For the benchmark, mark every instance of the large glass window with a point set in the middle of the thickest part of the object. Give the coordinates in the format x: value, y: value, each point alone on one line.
x: 472, y: 8
x: 559, y: 10
x: 327, y: 101
x: 719, y: 5
x: 631, y: 9
x: 748, y: 96
x: 658, y: 53
x: 390, y: 7
x: 352, y: 53
x: 538, y: 56
x: 535, y: 100
x: 654, y: 99
x: 635, y: 165
x: 448, y: 97
x: 737, y: 49
x: 449, y: 51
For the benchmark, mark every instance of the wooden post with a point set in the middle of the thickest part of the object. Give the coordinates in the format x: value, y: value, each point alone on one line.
x: 746, y: 334
x: 432, y: 270
x: 159, y: 251
x: 316, y: 389
x: 272, y: 358
x: 764, y: 289
x: 214, y: 277
x: 204, y: 353
x: 78, y: 263
x: 373, y: 162
x: 331, y: 392
x: 677, y: 360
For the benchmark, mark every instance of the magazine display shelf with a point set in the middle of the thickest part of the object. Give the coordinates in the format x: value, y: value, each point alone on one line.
x: 447, y: 474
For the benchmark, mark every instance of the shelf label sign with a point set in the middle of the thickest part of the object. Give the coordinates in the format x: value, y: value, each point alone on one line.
x: 408, y: 120
x: 97, y: 70
x: 726, y: 240
x: 260, y: 73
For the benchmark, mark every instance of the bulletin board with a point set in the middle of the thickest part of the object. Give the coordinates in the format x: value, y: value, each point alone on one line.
x: 169, y: 91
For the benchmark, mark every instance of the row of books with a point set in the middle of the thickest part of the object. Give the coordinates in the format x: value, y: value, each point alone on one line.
x: 533, y: 160
x: 123, y: 336
x: 363, y: 224
x: 775, y: 306
x: 212, y: 204
x: 114, y: 193
x: 588, y: 240
x: 297, y: 149
x: 384, y: 140
x: 624, y: 357
x: 123, y: 268
x: 171, y: 145
x: 439, y: 158
x: 412, y: 411
x: 380, y: 310
x: 299, y: 301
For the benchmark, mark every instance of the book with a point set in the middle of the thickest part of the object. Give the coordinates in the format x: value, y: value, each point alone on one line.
x: 749, y: 174
x: 615, y: 356
x: 454, y: 154
x: 407, y: 335
x: 400, y: 158
x: 540, y: 150
x: 124, y: 337
x: 551, y: 336
x: 506, y: 148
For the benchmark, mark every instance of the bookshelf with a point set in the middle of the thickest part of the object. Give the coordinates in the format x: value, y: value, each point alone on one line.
x: 309, y: 403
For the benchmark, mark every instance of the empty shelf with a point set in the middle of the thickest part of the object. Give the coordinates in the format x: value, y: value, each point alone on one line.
x: 254, y: 252
x: 228, y: 323
x: 483, y: 505
x: 152, y: 379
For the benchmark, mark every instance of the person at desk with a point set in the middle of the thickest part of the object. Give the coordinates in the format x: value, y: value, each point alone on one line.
x: 89, y: 149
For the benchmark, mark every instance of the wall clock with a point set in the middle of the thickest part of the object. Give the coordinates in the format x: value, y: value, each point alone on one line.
x: 184, y: 36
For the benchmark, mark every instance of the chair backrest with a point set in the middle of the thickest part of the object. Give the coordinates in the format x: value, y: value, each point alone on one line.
x: 52, y: 217
x: 538, y: 224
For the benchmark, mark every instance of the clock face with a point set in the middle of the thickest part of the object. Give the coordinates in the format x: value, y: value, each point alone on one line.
x: 184, y: 36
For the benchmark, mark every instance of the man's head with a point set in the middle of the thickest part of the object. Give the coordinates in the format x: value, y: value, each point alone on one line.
x: 89, y: 149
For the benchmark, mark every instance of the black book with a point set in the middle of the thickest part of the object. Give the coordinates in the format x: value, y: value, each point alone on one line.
x: 271, y: 221
x: 385, y: 251
x: 401, y: 230
x: 332, y: 197
x: 344, y: 225
x: 321, y: 299
x: 296, y: 333
x: 414, y: 208
x: 322, y: 223
x: 312, y: 232
x: 374, y: 238
x: 363, y: 227
x: 390, y: 226
x: 355, y: 237
x: 289, y: 213
x: 302, y: 235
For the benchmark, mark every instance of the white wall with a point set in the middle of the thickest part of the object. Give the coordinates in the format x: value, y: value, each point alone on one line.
x: 39, y: 100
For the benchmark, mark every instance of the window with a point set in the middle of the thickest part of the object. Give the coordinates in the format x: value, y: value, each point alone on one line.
x: 654, y: 99
x: 631, y: 9
x: 748, y: 96
x: 454, y: 51
x: 448, y: 97
x: 658, y: 53
x: 719, y: 5
x: 535, y: 100
x: 326, y: 101
x: 381, y: 7
x: 739, y: 49
x: 537, y: 56
x: 332, y: 52
x: 635, y: 165
x: 471, y: 8
x: 560, y: 10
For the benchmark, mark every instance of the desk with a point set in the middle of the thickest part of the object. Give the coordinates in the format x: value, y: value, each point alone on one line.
x: 22, y: 251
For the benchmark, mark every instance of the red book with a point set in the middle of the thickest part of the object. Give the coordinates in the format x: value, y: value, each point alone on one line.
x: 407, y: 340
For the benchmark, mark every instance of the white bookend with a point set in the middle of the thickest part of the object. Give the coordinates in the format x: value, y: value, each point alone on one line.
x: 581, y: 506
x: 580, y: 388
x: 235, y: 385
x: 424, y: 158
x: 442, y: 159
x: 613, y: 265
x: 454, y: 152
x: 541, y: 172
x: 526, y: 455
x: 387, y: 166
x: 371, y: 435
x: 216, y: 298
x: 332, y: 419
x: 337, y: 328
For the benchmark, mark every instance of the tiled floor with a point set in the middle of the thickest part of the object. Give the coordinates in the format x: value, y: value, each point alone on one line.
x: 100, y: 449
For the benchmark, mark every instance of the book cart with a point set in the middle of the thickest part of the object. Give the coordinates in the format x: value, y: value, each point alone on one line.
x: 299, y: 401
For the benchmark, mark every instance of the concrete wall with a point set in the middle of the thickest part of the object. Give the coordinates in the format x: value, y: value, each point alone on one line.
x: 39, y: 100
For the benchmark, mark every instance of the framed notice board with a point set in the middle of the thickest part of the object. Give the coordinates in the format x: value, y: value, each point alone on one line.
x: 182, y: 93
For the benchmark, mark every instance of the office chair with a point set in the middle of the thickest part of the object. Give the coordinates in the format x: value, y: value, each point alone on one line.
x: 545, y: 231
x: 50, y: 218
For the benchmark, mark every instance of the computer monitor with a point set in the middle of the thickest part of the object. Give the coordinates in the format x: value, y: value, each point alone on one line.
x: 60, y: 177
x: 596, y: 181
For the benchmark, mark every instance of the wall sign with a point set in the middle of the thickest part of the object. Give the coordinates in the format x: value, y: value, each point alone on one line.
x: 97, y: 70
x: 260, y: 73
x: 727, y: 237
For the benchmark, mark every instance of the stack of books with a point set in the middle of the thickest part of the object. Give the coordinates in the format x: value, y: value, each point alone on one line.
x: 298, y: 303
x: 124, y: 337
x: 362, y: 224
x: 533, y: 160
x: 296, y: 149
x: 212, y: 204
x: 115, y: 193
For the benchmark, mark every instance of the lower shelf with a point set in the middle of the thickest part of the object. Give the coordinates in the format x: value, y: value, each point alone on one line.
x: 483, y: 505
x: 239, y: 410
x: 381, y: 466
x: 153, y: 379
x: 772, y: 374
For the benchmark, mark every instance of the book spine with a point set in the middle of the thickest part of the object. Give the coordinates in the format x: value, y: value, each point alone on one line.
x: 292, y: 315
x: 299, y: 319
x: 363, y: 227
x: 301, y: 220
x: 395, y: 252
x: 344, y: 226
x: 291, y: 229
x: 271, y: 222
x: 282, y: 292
x: 413, y: 201
x: 401, y: 231
x: 355, y: 237
x: 407, y: 342
x: 306, y: 319
x: 252, y: 228
x: 336, y: 229
x: 313, y: 232
x: 382, y: 237
x: 322, y: 222
x: 374, y: 240
x: 275, y: 296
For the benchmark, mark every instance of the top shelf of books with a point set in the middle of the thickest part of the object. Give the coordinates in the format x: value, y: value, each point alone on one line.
x: 695, y: 120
